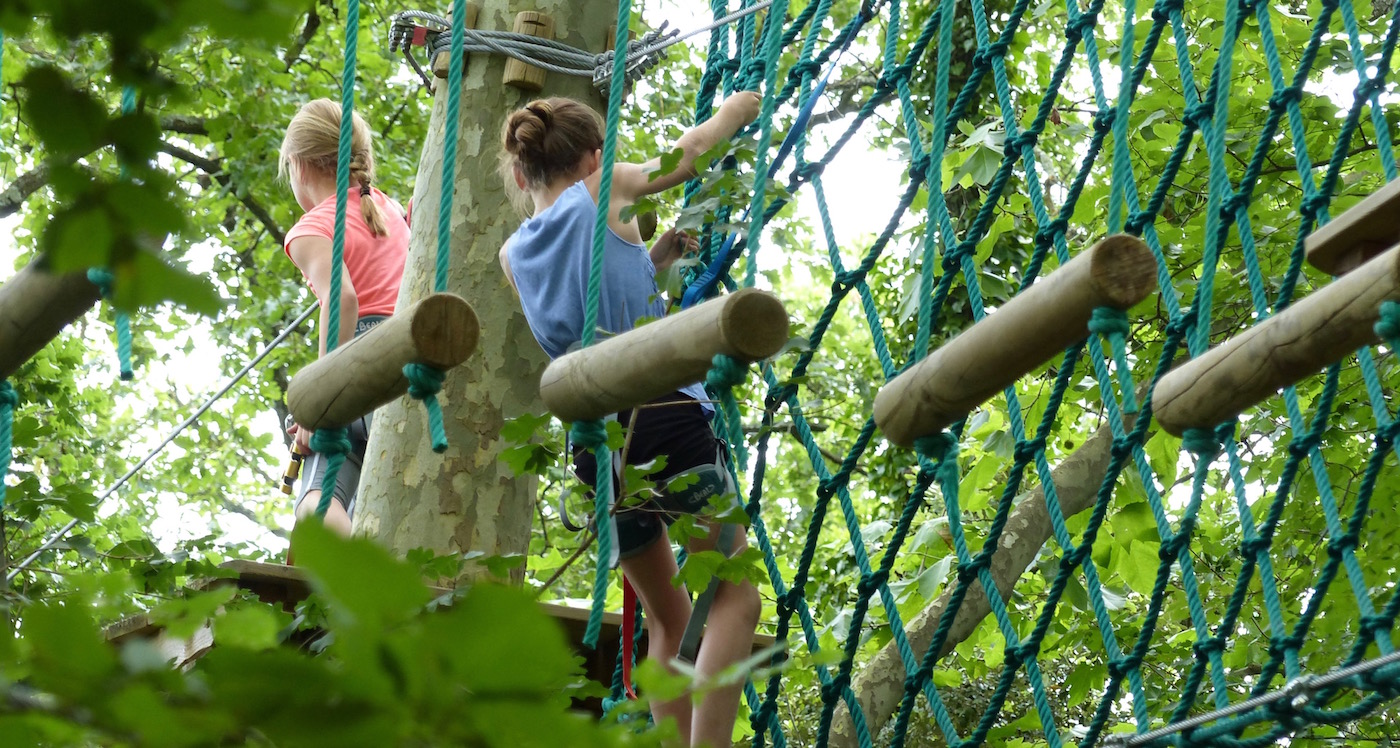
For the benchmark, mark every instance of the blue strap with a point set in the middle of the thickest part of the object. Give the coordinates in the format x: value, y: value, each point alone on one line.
x: 705, y: 284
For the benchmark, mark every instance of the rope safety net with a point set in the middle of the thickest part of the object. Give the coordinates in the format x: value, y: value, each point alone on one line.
x: 1115, y: 57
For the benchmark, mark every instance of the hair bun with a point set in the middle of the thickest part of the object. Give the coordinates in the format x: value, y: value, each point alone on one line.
x: 527, y: 128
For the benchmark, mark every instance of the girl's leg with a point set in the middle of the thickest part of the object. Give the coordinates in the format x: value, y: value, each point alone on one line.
x: 667, y: 609
x: 729, y: 632
x: 336, y: 518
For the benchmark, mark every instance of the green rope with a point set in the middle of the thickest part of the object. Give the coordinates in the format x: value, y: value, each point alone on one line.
x: 335, y: 443
x: 946, y: 264
x: 103, y: 279
x: 9, y: 400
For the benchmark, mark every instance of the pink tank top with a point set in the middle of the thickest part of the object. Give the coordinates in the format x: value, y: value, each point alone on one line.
x: 375, y: 263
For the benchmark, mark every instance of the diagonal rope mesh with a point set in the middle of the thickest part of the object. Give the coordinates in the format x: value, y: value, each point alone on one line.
x: 1088, y: 97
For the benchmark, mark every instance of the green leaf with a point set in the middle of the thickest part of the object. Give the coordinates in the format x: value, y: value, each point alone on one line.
x: 249, y: 627
x: 184, y: 616
x: 364, y: 583
x: 668, y: 163
x: 147, y: 281
x: 68, y: 656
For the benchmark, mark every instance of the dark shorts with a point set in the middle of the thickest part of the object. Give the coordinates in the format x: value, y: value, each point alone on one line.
x: 347, y: 480
x: 678, y: 429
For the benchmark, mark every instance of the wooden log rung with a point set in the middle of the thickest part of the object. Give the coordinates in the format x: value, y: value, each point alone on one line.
x: 518, y: 74
x: 354, y: 379
x: 1354, y: 237
x: 1024, y: 333
x: 442, y: 60
x: 35, y: 306
x: 661, y: 357
x: 1315, y: 332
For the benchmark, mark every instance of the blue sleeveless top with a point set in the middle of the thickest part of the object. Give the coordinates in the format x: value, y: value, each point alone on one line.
x: 550, y: 255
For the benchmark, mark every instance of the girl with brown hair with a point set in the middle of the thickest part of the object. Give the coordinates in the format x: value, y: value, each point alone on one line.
x: 553, y: 150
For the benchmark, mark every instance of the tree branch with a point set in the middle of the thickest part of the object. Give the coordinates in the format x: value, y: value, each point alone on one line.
x: 233, y: 507
x: 215, y: 169
x: 879, y: 686
x: 14, y: 194
x: 313, y: 22
x: 184, y: 124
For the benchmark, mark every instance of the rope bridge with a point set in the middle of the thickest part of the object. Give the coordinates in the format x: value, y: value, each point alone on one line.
x: 1205, y: 706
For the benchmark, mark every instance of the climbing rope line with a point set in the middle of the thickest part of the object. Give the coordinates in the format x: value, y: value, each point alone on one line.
x: 1110, y: 361
x: 194, y: 417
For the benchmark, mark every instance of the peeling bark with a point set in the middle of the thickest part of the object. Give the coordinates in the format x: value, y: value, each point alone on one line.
x: 879, y: 686
x: 467, y: 499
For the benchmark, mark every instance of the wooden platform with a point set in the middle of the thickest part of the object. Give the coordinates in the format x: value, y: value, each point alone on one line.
x: 283, y: 585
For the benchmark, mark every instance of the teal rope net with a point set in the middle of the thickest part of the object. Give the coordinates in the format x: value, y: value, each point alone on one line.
x: 1110, y: 65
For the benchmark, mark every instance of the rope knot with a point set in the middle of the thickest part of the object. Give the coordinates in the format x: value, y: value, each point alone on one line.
x: 1103, y: 120
x: 808, y: 170
x: 1023, y: 140
x: 1046, y: 235
x: 1367, y: 88
x: 1181, y: 324
x: 1119, y: 667
x: 1076, y: 29
x: 968, y: 572
x: 589, y: 434
x: 1386, y: 435
x: 1163, y: 9
x: 1204, y: 443
x: 1123, y: 448
x: 725, y: 372
x: 871, y: 583
x: 1314, y: 204
x: 1254, y: 546
x: 1108, y: 321
x: 1388, y: 326
x: 1026, y: 450
x: 424, y: 383
x: 1207, y: 647
x: 804, y: 69
x: 1136, y: 222
x: 1375, y: 624
x: 1236, y: 202
x: 331, y: 442
x: 1200, y: 114
x: 1279, y: 646
x: 102, y: 279
x: 8, y: 397
x: 1302, y: 446
x: 1337, y: 547
x: 937, y: 447
x: 1282, y: 98
x: 918, y: 168
x: 753, y: 70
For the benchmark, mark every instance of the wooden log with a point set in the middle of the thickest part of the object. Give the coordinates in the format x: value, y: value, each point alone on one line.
x: 354, y: 379
x: 518, y: 74
x: 1316, y: 331
x: 1027, y: 331
x: 443, y: 59
x: 663, y: 356
x: 1362, y: 232
x: 35, y: 306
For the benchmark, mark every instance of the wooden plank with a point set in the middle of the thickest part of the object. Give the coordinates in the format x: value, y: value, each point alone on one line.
x: 354, y: 379
x: 1024, y: 333
x: 662, y: 356
x: 1302, y: 340
x: 1354, y: 237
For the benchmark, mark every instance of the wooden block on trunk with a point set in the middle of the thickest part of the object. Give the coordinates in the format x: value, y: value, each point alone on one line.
x: 518, y: 74
x: 442, y: 59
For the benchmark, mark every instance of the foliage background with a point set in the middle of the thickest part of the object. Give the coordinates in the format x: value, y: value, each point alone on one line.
x: 216, y: 81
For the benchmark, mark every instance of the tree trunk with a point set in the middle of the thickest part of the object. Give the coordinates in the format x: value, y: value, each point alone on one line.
x: 467, y: 499
x: 879, y: 686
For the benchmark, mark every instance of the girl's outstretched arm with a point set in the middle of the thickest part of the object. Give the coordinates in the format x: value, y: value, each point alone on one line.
x: 631, y: 181
x: 313, y: 255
